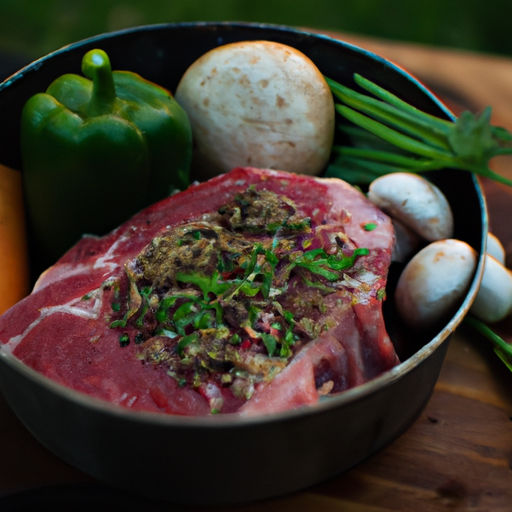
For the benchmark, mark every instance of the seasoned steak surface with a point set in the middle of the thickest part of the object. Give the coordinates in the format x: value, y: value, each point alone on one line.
x: 255, y: 292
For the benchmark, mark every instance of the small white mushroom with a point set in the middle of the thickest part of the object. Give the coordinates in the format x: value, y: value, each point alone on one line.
x: 415, y: 202
x: 260, y: 104
x: 434, y: 282
x: 494, y: 299
x: 495, y: 249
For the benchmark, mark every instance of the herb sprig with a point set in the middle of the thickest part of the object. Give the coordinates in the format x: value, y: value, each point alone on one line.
x: 410, y: 140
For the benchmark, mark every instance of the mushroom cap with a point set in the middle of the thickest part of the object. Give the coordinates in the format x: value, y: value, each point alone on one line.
x: 495, y: 248
x: 434, y: 282
x: 415, y: 202
x: 260, y: 104
x: 494, y: 299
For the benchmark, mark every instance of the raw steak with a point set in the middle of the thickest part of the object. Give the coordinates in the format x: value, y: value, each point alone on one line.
x: 255, y: 292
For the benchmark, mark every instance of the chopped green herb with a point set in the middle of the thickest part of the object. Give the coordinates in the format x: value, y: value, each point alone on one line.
x: 381, y: 294
x: 124, y: 340
x: 226, y: 263
x: 274, y: 227
x: 139, y: 338
x: 204, y: 320
x: 140, y: 319
x: 140, y: 300
x: 370, y: 226
x: 254, y: 314
x: 116, y: 306
x: 320, y: 286
x: 185, y: 342
x: 184, y: 316
x: 347, y: 261
x: 289, y: 338
x: 270, y: 343
x: 303, y: 224
x: 235, y: 339
x: 207, y: 284
x: 309, y: 261
x: 117, y: 323
x: 163, y: 308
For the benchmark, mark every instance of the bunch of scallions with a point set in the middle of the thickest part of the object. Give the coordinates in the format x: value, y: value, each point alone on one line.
x: 388, y: 135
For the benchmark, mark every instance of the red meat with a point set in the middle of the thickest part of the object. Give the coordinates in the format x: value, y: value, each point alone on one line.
x: 66, y: 329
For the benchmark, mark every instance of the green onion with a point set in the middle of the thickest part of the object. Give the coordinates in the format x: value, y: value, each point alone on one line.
x: 414, y: 141
x: 501, y: 347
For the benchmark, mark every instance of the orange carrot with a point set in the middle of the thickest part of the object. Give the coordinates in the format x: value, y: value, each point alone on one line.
x: 14, y: 266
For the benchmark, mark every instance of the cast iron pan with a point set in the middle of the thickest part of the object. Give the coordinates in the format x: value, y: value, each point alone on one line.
x: 224, y: 460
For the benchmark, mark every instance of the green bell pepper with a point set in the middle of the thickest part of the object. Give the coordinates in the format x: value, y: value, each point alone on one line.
x: 97, y: 150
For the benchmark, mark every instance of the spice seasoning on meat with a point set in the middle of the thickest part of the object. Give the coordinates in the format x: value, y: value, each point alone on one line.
x: 227, y: 301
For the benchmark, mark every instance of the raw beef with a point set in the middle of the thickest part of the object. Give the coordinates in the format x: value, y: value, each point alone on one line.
x: 257, y: 291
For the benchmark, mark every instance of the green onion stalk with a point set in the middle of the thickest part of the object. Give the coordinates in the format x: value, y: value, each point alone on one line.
x: 389, y: 135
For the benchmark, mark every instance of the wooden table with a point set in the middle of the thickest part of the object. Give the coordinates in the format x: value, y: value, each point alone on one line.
x: 457, y: 455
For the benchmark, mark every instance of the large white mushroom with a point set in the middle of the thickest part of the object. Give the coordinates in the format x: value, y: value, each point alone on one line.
x: 257, y: 103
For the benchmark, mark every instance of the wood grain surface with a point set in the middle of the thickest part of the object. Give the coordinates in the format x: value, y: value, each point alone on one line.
x: 456, y: 456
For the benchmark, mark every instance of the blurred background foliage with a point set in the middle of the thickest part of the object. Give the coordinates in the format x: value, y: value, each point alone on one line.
x: 32, y: 28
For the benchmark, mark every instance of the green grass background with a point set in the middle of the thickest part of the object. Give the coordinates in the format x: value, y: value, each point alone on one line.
x: 31, y: 28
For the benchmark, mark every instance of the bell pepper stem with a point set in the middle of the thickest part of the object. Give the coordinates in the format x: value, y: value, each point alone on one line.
x: 96, y: 67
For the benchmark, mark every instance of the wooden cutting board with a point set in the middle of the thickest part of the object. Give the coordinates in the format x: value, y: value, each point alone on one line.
x: 457, y: 455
